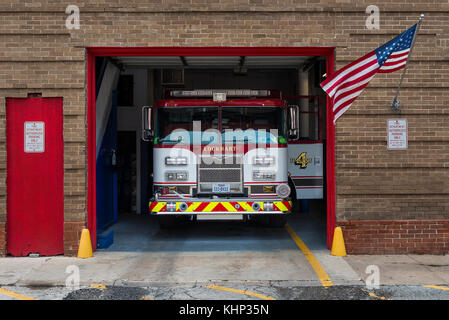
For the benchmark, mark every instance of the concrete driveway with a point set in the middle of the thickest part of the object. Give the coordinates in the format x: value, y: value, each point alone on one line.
x: 220, y: 260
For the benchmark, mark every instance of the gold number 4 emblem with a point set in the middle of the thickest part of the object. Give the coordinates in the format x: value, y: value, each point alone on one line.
x: 302, y: 160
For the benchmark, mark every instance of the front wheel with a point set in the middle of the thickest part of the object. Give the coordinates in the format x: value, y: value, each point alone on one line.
x: 277, y: 220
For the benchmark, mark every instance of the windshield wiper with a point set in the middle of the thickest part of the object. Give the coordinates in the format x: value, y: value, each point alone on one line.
x: 236, y: 140
x: 170, y: 140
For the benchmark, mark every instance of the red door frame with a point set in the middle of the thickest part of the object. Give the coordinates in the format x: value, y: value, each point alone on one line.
x: 92, y: 52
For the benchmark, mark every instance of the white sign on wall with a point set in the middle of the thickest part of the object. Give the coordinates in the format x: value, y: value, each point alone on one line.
x: 34, y: 137
x: 397, y: 134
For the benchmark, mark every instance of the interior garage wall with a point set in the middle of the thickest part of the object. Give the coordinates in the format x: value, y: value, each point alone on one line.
x: 284, y: 80
x: 129, y: 119
x: 38, y: 54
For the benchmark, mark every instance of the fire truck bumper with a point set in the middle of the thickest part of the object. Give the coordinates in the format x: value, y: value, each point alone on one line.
x: 221, y: 207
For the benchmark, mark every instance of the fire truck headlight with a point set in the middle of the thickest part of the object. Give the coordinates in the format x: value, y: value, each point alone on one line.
x: 176, y: 161
x: 263, y: 175
x: 181, y: 176
x: 170, y: 176
x: 283, y: 190
x: 176, y: 176
x: 263, y: 161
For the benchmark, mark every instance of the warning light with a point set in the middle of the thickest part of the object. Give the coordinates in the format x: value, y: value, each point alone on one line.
x: 219, y: 96
x: 209, y: 93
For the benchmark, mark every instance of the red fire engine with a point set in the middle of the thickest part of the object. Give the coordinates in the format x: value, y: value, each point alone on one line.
x: 220, y: 154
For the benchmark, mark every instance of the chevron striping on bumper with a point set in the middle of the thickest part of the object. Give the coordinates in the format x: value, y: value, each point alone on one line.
x: 245, y: 206
x: 228, y: 206
x: 280, y: 206
x: 211, y: 206
x: 218, y: 206
x: 193, y: 206
x: 158, y: 207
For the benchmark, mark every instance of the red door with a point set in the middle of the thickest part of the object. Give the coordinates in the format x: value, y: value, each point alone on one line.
x: 35, y: 190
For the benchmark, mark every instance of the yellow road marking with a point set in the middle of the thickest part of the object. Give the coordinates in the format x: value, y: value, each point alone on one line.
x: 319, y: 270
x: 373, y: 295
x: 248, y: 293
x: 438, y: 287
x: 377, y: 297
x: 15, y: 295
x: 98, y: 286
x: 146, y: 298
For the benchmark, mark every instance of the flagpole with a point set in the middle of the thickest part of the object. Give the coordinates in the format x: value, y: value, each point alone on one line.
x: 395, y: 103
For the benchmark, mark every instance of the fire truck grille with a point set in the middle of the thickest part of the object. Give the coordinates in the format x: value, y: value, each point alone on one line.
x: 213, y: 170
x: 227, y: 175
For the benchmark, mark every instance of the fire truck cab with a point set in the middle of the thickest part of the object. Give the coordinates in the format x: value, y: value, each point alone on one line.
x: 220, y: 154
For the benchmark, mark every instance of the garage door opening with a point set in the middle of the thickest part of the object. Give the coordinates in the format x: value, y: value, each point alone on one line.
x: 125, y: 81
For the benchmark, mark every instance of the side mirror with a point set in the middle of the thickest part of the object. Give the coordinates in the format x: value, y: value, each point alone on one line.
x: 147, y: 125
x: 293, y: 122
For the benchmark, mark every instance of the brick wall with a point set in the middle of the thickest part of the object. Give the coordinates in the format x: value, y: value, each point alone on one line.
x: 72, y: 236
x: 2, y: 239
x: 38, y: 54
x: 396, y: 236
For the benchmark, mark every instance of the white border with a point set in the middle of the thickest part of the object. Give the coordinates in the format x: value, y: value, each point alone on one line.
x: 25, y: 135
x: 406, y: 134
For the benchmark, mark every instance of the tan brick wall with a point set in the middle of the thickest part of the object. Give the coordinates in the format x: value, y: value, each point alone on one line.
x: 38, y: 54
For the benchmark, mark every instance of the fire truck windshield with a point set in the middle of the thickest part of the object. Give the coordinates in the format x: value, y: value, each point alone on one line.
x: 175, y: 122
x: 256, y: 118
x: 253, y: 124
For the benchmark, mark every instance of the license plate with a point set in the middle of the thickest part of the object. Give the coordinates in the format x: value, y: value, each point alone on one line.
x: 221, y: 187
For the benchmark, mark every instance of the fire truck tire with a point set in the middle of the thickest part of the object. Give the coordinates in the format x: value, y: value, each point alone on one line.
x: 166, y: 222
x: 277, y: 221
x: 295, y: 202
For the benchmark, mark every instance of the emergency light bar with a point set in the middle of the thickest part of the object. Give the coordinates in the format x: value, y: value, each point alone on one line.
x: 209, y: 93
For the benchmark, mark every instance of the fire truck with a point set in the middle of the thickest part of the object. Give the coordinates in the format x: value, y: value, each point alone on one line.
x: 220, y: 154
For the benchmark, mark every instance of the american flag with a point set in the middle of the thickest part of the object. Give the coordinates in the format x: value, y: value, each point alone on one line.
x: 345, y: 85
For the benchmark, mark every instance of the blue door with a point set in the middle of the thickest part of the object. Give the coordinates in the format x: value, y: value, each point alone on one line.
x: 107, y: 205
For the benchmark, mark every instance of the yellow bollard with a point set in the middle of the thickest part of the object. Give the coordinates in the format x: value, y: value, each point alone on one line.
x: 85, y: 248
x: 338, y: 244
